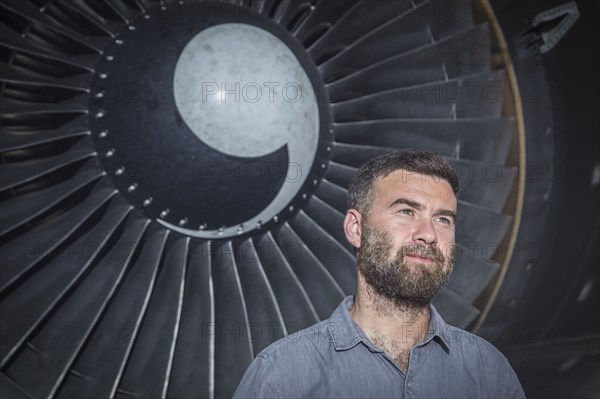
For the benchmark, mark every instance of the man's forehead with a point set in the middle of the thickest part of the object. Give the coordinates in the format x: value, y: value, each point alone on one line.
x: 401, y: 181
x: 400, y: 176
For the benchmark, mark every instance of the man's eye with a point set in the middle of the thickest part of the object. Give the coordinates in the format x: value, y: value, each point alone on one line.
x: 445, y: 220
x: 407, y: 212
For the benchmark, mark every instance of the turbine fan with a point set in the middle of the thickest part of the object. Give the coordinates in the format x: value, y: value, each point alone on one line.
x: 108, y: 292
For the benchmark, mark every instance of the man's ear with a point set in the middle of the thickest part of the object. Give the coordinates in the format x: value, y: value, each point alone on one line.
x: 352, y: 227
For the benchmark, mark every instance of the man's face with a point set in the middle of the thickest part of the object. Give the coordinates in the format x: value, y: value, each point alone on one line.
x: 407, y: 238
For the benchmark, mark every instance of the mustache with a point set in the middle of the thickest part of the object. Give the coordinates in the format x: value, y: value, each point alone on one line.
x: 422, y: 251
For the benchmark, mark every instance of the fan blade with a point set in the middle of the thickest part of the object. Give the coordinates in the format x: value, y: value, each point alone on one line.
x: 469, y: 97
x: 320, y: 18
x: 27, y: 10
x: 265, y: 317
x: 456, y: 310
x: 265, y: 6
x: 339, y: 174
x: 76, y: 105
x: 17, y: 139
x: 17, y: 173
x: 120, y: 9
x: 288, y: 10
x: 10, y: 74
x: 192, y: 373
x: 485, y: 140
x: 257, y: 5
x: 339, y: 262
x: 296, y: 307
x: 412, y: 29
x: 320, y: 285
x: 140, y: 5
x: 330, y: 220
x: 52, y: 299
x: 85, y: 307
x: 333, y: 195
x: 481, y: 226
x: 433, y: 62
x: 11, y: 390
x: 485, y: 184
x: 356, y: 155
x: 356, y: 23
x: 22, y: 209
x: 233, y: 348
x: 24, y: 252
x: 392, y: 105
x: 472, y: 272
x: 149, y: 364
x: 133, y: 270
x: 15, y: 41
x: 84, y: 11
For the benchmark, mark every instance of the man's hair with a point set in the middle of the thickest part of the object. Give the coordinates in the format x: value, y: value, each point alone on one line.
x: 360, y: 192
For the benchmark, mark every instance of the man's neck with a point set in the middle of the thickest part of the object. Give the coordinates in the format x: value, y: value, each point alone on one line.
x: 390, y: 326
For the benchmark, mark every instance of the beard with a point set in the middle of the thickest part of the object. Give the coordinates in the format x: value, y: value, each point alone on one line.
x: 408, y: 285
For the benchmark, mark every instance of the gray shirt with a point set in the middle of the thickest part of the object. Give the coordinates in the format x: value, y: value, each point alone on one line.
x: 335, y: 359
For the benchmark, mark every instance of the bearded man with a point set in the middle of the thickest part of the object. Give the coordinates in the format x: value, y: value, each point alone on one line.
x: 388, y: 341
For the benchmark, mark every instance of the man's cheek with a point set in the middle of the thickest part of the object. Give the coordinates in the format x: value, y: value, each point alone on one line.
x: 448, y: 250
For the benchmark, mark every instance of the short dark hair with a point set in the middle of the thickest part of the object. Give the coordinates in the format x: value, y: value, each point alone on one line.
x: 360, y: 192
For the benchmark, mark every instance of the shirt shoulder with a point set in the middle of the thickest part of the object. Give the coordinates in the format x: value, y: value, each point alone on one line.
x: 315, y: 335
x: 293, y: 360
x: 476, y: 356
x: 472, y: 345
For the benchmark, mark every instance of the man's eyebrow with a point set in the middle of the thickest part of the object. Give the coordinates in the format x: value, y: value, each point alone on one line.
x: 419, y: 206
x: 408, y: 202
x: 446, y: 212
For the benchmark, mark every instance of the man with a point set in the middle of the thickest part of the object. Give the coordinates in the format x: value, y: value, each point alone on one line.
x: 388, y: 341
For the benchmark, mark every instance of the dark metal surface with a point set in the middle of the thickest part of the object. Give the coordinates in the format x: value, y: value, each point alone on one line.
x: 294, y: 302
x: 405, y: 31
x: 485, y: 139
x: 546, y: 310
x: 232, y: 325
x: 36, y: 203
x: 315, y: 276
x: 458, y: 311
x: 431, y: 62
x: 475, y: 96
x: 264, y: 311
x: 473, y: 267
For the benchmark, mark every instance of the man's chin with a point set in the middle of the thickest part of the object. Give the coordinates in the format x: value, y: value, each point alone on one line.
x: 413, y: 303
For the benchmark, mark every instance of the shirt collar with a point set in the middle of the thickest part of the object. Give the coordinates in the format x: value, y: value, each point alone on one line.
x: 437, y: 330
x: 346, y: 334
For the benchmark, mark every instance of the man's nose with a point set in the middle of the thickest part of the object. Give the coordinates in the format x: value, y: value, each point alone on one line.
x: 424, y: 232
